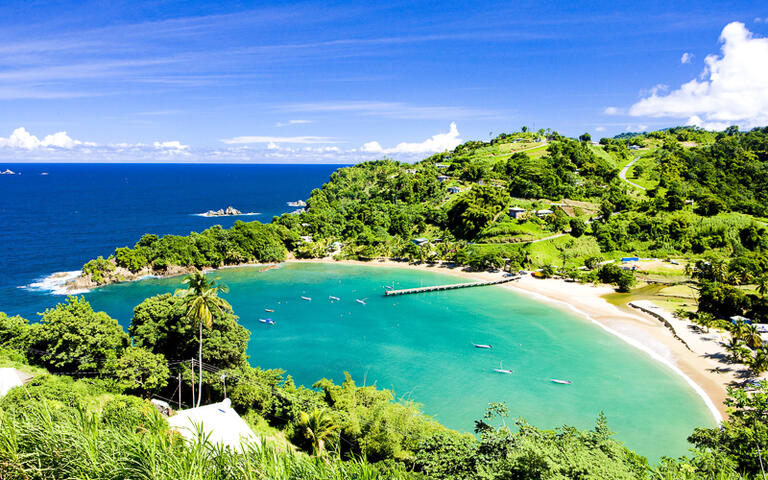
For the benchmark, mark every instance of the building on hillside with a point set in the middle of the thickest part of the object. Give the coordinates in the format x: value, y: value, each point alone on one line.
x: 335, y: 246
x: 516, y: 212
x: 420, y: 241
x: 630, y: 259
x: 441, y: 165
x: 634, y: 147
x: 411, y: 171
x: 454, y: 189
x: 219, y: 422
x: 543, y: 213
x: 443, y: 178
x: 306, y: 239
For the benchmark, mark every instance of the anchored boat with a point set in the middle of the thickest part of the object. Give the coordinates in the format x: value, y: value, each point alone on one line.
x: 331, y: 297
x: 482, y: 345
x: 360, y: 301
x: 309, y: 299
x: 268, y: 321
x: 564, y: 382
x: 501, y: 369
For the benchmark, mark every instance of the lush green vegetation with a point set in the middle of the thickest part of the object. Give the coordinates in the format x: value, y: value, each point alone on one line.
x: 59, y: 427
x: 705, y: 202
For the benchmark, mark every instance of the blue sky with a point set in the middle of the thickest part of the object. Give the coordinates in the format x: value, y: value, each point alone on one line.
x: 317, y: 81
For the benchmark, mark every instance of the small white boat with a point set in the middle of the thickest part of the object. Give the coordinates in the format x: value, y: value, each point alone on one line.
x: 332, y: 298
x: 501, y: 369
x: 564, y: 382
x: 307, y: 299
x: 360, y: 301
x: 268, y: 310
x: 482, y: 345
x: 268, y: 321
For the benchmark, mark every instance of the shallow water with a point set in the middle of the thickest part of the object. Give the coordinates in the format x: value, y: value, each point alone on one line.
x: 420, y: 346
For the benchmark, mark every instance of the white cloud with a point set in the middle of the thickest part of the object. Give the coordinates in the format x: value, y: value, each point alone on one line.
x: 22, y: 139
x: 732, y: 89
x: 276, y: 140
x: 686, y: 58
x: 761, y: 20
x: 612, y: 111
x: 437, y: 143
x: 599, y: 129
x: 390, y: 110
x: 292, y: 122
x: 171, y: 145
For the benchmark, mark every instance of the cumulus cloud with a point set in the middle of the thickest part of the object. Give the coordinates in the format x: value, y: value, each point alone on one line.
x: 21, y: 138
x: 171, y: 145
x: 686, y: 58
x: 611, y: 111
x: 267, y: 139
x: 437, y: 143
x: 732, y: 89
x: 599, y: 129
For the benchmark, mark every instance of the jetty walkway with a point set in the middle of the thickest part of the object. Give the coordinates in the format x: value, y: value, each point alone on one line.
x: 439, y: 288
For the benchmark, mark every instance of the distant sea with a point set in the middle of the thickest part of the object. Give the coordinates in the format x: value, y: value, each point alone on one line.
x: 56, y: 217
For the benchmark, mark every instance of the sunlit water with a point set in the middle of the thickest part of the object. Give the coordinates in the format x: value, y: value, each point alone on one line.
x: 420, y: 346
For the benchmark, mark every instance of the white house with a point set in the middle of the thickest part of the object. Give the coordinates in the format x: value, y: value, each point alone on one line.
x: 420, y: 241
x: 454, y: 189
x: 443, y: 178
x: 543, y: 212
x: 218, y: 421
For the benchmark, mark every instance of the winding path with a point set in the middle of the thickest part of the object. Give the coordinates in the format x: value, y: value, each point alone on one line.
x: 623, y: 174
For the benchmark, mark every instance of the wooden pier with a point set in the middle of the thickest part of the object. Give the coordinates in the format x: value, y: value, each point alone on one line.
x: 439, y: 288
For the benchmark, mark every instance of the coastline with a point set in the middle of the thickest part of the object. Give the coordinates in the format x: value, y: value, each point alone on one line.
x: 693, y: 356
x: 701, y: 370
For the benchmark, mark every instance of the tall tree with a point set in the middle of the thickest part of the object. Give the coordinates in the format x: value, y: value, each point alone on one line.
x: 201, y: 299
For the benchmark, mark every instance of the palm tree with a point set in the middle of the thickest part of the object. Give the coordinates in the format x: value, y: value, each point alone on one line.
x: 738, y: 352
x: 201, y: 299
x: 752, y: 337
x: 739, y: 330
x: 762, y: 284
x: 318, y: 427
x: 759, y: 363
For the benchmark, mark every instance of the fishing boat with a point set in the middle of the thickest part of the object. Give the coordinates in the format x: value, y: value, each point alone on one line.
x: 564, y: 382
x: 306, y: 298
x: 482, y: 345
x: 331, y: 297
x: 501, y: 369
x: 268, y: 310
x: 360, y: 301
x: 268, y: 321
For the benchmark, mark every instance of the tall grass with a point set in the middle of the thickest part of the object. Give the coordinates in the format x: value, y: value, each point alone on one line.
x: 40, y: 441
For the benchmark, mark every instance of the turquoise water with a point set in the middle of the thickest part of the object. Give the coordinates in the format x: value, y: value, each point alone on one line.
x: 420, y: 346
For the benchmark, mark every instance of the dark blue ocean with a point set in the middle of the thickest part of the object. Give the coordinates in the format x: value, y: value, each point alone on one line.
x: 56, y: 222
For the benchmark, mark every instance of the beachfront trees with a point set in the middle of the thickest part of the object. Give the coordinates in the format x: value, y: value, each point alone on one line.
x: 743, y: 436
x: 72, y: 337
x: 201, y: 299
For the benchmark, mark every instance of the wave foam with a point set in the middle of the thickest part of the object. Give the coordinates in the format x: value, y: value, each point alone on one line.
x: 55, y: 283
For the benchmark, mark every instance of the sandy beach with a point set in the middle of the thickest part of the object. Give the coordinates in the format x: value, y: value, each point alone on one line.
x: 695, y: 355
